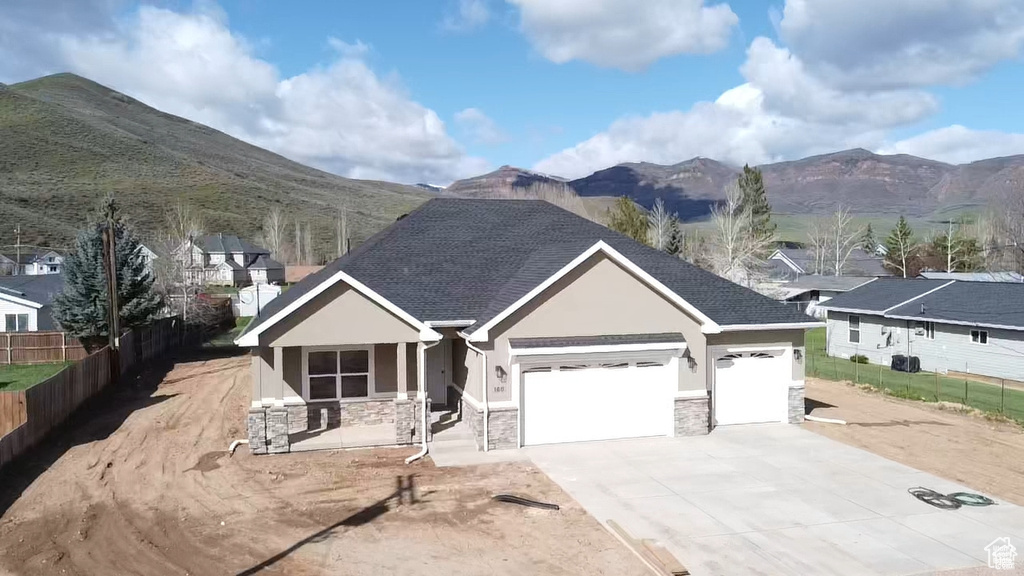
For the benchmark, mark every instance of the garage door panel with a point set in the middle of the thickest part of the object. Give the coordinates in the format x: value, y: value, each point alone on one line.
x: 598, y: 403
x: 751, y: 387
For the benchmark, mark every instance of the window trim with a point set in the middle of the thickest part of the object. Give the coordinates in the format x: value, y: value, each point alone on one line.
x: 979, y: 332
x: 929, y: 329
x: 18, y: 327
x: 371, y: 389
x: 850, y: 329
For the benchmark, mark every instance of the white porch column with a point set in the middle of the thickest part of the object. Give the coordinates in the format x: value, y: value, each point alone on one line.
x: 403, y: 370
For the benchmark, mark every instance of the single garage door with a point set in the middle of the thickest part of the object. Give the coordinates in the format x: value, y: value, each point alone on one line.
x: 752, y: 387
x: 579, y: 403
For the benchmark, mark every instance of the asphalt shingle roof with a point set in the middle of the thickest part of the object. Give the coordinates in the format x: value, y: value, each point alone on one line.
x: 40, y: 289
x: 463, y: 259
x: 982, y: 303
x: 611, y: 340
x: 858, y: 263
x: 226, y: 243
x: 264, y: 262
x: 833, y: 283
x: 883, y: 294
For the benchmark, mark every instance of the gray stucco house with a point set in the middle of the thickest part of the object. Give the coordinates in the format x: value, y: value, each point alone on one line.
x: 951, y: 325
x: 533, y: 324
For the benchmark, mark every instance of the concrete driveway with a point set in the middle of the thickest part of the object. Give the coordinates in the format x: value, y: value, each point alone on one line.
x: 776, y: 499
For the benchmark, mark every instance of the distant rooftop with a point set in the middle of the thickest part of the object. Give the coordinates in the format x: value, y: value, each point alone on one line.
x: 226, y: 243
x: 974, y: 276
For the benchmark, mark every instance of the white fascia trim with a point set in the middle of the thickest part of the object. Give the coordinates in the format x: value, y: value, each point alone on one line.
x: 782, y: 326
x: 785, y: 259
x: 957, y: 322
x: 918, y: 296
x: 450, y: 323
x: 692, y: 394
x: 708, y: 326
x: 828, y: 308
x: 751, y: 348
x: 21, y: 301
x: 250, y: 339
x: 606, y: 348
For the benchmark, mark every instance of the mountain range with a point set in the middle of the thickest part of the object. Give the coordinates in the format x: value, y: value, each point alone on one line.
x: 66, y: 141
x: 868, y: 184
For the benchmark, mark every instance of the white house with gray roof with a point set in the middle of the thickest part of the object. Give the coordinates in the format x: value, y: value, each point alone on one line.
x: 529, y: 324
x: 25, y: 302
x: 951, y: 325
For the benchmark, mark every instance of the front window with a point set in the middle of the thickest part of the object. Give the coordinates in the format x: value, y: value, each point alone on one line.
x: 337, y: 374
x: 16, y: 322
x: 979, y: 336
x: 926, y: 329
x: 854, y: 329
x: 53, y: 269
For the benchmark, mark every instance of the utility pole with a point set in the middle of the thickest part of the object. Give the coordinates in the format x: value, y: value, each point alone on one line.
x: 17, y: 248
x: 113, y: 311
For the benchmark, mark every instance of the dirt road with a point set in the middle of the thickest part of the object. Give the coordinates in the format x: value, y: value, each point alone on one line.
x: 143, y: 486
x: 971, y: 450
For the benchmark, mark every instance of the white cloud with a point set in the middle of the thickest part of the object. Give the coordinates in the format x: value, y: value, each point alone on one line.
x: 467, y: 15
x: 903, y: 43
x: 480, y: 127
x: 624, y: 34
x: 341, y: 117
x: 957, y: 144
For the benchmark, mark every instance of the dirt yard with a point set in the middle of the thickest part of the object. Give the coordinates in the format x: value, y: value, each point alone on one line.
x: 966, y: 448
x: 144, y: 486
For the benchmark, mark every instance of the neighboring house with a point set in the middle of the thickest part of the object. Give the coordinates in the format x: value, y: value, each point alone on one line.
x: 807, y: 292
x: 31, y: 262
x: 791, y: 263
x: 974, y: 276
x: 952, y: 326
x: 540, y: 325
x: 25, y: 302
x: 148, y: 256
x: 226, y: 260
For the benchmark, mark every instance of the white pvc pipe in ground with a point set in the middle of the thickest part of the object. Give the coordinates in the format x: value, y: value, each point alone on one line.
x: 231, y: 449
x: 823, y: 420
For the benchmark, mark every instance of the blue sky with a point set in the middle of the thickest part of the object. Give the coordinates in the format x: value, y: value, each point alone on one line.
x: 419, y: 90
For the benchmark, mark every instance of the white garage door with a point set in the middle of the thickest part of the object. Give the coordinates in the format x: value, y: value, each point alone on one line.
x: 752, y: 387
x: 569, y: 404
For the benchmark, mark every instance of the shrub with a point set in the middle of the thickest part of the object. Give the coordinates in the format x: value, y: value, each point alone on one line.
x: 859, y: 359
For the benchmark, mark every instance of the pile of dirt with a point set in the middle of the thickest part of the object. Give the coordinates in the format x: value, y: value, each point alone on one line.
x: 144, y: 486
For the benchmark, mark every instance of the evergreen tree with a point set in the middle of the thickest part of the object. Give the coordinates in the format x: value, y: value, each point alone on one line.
x: 754, y: 200
x: 628, y: 219
x: 81, y: 309
x: 675, y: 240
x: 900, y: 247
x: 868, y: 242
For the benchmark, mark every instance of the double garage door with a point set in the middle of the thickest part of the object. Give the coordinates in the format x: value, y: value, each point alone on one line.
x: 574, y: 403
x: 581, y: 402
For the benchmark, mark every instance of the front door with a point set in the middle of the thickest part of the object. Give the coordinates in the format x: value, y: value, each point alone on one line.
x: 438, y: 371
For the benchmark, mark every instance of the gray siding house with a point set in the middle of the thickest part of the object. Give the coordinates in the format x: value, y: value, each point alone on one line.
x: 952, y: 326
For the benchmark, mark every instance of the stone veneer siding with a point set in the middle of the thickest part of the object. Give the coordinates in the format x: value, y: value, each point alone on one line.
x: 277, y: 430
x: 257, y: 424
x: 502, y: 428
x: 692, y: 416
x: 409, y: 421
x: 796, y: 404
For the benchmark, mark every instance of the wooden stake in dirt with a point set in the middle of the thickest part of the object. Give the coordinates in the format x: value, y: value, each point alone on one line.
x: 657, y: 558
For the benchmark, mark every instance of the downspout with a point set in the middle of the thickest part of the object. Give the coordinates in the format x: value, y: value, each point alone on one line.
x: 483, y: 383
x: 421, y: 387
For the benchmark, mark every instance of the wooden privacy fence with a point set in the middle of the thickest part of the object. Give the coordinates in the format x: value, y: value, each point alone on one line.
x: 26, y: 416
x: 39, y: 348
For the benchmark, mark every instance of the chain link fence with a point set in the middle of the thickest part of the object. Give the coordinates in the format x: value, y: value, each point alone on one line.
x: 1005, y: 397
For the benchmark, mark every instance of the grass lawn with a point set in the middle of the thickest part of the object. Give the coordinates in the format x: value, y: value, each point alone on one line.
x: 20, y: 377
x: 927, y: 386
x: 228, y: 338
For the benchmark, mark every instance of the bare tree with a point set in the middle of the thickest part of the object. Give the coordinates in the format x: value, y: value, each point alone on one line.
x: 342, y: 230
x: 844, y: 237
x: 1009, y: 227
x: 307, y: 244
x: 737, y: 252
x: 178, y: 276
x: 693, y: 248
x: 818, y: 237
x: 660, y: 226
x: 298, y: 242
x: 274, y: 232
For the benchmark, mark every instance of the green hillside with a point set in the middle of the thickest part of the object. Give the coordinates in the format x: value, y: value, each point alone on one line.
x: 65, y: 141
